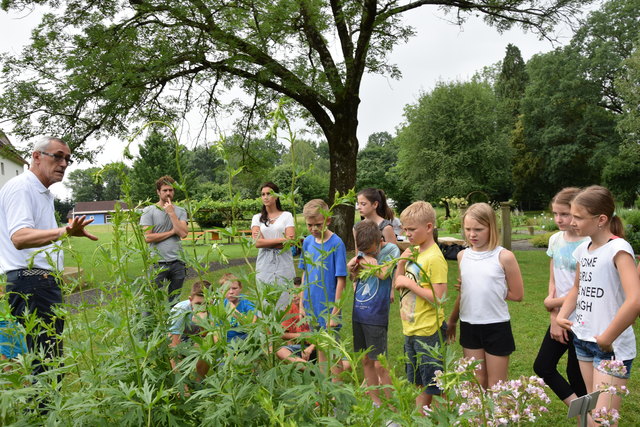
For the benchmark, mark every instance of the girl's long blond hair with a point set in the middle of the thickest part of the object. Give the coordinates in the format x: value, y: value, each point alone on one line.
x: 484, y: 214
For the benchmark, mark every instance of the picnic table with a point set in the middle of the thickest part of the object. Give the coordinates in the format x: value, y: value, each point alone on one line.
x: 403, y: 245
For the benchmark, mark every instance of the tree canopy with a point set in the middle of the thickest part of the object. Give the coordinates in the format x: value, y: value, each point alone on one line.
x: 97, y: 68
x: 449, y: 145
x: 87, y: 185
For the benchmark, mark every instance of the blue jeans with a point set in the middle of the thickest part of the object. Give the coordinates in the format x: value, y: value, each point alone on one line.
x: 39, y: 295
x: 173, y: 272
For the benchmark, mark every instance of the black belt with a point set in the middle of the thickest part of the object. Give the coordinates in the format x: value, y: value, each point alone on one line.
x: 29, y: 272
x: 170, y: 262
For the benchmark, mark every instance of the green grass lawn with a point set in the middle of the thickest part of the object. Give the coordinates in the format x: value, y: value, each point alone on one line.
x: 89, y: 255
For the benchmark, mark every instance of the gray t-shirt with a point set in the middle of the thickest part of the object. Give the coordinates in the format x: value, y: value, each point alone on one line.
x: 168, y: 249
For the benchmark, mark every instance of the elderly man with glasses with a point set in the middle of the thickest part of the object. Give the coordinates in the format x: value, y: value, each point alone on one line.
x: 30, y: 251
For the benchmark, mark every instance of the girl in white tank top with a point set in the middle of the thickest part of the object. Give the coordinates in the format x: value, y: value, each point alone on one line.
x: 489, y: 276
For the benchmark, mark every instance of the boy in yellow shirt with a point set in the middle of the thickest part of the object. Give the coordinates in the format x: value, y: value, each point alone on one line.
x: 421, y: 285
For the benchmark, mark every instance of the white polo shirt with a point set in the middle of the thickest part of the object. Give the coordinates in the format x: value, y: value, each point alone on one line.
x: 26, y: 203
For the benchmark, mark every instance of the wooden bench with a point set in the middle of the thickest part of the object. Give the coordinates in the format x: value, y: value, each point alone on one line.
x: 241, y: 233
x: 403, y: 245
x: 195, y: 237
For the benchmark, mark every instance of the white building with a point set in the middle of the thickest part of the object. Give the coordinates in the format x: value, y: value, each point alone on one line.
x: 11, y: 162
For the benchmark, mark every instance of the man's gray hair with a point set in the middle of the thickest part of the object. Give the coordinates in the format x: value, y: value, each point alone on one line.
x: 42, y: 144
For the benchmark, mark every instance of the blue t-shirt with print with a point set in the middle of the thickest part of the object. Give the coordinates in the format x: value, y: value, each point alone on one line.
x: 322, y: 263
x: 372, y: 296
x: 244, y: 306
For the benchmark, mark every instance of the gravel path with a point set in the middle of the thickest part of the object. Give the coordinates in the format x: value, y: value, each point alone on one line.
x: 92, y: 296
x: 524, y: 245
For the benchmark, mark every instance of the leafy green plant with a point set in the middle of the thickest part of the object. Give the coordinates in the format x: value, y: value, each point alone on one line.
x: 631, y: 218
x: 541, y: 240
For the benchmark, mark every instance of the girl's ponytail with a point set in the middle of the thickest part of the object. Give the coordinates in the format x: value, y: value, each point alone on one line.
x: 616, y: 226
x: 383, y: 208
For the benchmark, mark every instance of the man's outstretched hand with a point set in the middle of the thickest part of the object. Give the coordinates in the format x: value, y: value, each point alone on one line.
x: 76, y: 227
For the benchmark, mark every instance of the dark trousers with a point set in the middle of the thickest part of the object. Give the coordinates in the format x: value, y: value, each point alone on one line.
x: 546, y: 367
x: 38, y: 295
x: 174, y: 273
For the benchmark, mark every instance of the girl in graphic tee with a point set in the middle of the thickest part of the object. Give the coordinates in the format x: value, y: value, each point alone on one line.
x: 605, y: 296
x: 558, y: 341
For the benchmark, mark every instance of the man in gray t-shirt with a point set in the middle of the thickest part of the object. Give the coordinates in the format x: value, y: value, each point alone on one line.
x: 165, y: 225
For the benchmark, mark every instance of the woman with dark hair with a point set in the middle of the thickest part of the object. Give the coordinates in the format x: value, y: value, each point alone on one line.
x: 270, y: 229
x: 372, y: 205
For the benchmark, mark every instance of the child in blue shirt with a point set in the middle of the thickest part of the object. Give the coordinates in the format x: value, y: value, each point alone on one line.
x: 371, y: 302
x: 243, y: 309
x: 324, y: 265
x: 182, y: 324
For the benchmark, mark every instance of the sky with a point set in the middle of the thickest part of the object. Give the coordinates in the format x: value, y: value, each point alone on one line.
x: 440, y: 51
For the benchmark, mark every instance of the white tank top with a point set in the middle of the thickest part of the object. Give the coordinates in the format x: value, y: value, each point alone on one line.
x: 484, y: 288
x: 601, y: 295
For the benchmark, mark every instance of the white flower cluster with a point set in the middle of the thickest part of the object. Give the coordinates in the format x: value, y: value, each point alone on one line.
x: 523, y: 399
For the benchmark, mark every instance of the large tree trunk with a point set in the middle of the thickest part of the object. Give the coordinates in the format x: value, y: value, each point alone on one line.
x: 343, y: 153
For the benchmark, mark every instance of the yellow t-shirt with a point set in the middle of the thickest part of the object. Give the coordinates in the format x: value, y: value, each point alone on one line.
x: 419, y: 315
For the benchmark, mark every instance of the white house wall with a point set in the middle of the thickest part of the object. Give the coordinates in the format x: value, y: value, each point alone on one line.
x: 8, y: 169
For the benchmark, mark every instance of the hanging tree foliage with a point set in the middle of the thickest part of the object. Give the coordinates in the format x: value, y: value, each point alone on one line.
x: 96, y: 68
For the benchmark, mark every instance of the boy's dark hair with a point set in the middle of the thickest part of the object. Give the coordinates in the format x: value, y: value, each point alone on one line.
x: 164, y: 180
x: 229, y: 277
x: 297, y: 281
x: 197, y: 289
x: 367, y: 234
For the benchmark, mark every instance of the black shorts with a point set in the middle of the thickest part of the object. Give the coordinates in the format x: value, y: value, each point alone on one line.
x: 493, y: 338
x: 370, y: 336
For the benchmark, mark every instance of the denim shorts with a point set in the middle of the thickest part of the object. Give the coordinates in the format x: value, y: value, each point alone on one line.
x: 587, y: 351
x: 421, y: 366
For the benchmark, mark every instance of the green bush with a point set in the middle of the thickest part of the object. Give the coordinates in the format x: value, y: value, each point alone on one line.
x: 212, y: 213
x: 542, y: 240
x: 452, y: 225
x: 631, y: 219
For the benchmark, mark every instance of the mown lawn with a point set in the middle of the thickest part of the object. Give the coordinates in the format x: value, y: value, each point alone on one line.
x: 89, y: 255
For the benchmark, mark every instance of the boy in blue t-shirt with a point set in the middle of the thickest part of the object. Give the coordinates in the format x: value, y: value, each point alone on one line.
x: 324, y: 265
x: 243, y: 309
x: 372, y: 298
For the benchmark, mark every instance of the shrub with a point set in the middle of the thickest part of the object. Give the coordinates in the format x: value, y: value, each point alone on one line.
x: 542, y: 240
x: 631, y: 218
x: 452, y: 225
